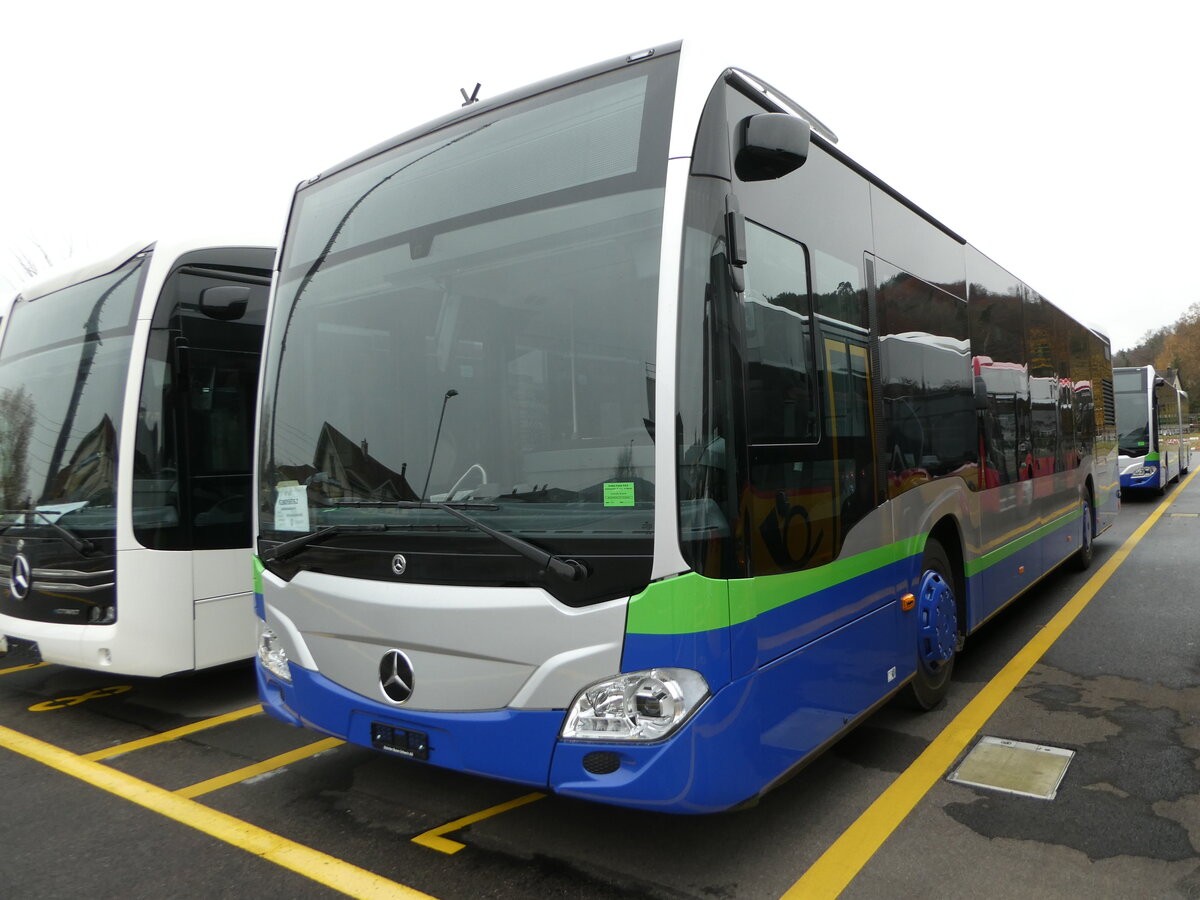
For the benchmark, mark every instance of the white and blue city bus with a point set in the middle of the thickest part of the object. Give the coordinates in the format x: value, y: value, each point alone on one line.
x: 127, y: 402
x: 622, y: 437
x: 1152, y: 421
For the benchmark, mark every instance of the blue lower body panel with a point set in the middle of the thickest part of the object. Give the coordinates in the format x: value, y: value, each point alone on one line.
x: 513, y: 745
x: 738, y: 742
x: 1151, y: 482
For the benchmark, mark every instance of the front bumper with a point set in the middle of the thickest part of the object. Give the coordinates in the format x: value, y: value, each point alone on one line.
x: 701, y: 768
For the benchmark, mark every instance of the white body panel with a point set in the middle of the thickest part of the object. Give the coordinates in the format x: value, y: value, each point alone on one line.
x: 474, y: 648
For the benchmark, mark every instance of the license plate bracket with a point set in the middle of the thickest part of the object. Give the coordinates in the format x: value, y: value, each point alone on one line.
x: 400, y: 741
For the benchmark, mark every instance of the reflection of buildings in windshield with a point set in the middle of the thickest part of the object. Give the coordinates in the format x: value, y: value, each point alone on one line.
x: 17, y: 417
x: 92, y: 472
x: 343, y: 469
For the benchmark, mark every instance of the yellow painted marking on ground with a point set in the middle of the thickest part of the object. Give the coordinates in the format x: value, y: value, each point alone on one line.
x: 313, y: 864
x: 267, y: 765
x: 23, y: 668
x: 433, y: 839
x: 838, y: 865
x: 174, y: 733
x: 75, y: 700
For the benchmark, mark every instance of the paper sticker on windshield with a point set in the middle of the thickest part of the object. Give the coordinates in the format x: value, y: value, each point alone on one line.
x: 618, y: 493
x: 291, y: 507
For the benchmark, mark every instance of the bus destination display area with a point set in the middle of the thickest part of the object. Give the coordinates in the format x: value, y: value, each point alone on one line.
x: 181, y: 786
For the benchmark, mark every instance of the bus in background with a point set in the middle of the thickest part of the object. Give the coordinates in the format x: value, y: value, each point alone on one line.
x: 127, y: 403
x: 1152, y: 423
x: 674, y: 443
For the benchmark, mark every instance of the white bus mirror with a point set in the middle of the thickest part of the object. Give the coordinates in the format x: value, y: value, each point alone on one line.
x: 771, y: 146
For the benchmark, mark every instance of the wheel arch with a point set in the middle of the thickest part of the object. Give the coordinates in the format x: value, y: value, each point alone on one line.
x: 948, y: 532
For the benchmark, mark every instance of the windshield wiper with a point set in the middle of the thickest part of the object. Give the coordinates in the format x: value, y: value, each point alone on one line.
x: 567, y: 569
x: 296, y: 544
x: 80, y: 545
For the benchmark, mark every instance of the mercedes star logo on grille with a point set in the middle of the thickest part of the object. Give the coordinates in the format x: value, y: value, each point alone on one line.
x: 399, y: 564
x: 396, y: 676
x: 22, y: 577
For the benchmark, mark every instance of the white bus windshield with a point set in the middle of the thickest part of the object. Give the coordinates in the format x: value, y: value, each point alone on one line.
x: 62, y: 381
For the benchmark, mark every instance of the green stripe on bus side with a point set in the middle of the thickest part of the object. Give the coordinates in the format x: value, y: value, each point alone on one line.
x: 258, y: 570
x: 1153, y: 456
x: 691, y: 603
x: 975, y: 566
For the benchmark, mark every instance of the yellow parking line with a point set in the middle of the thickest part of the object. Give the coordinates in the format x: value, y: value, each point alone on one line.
x: 313, y: 864
x: 23, y: 668
x: 433, y: 838
x: 267, y: 765
x: 838, y: 865
x: 173, y: 734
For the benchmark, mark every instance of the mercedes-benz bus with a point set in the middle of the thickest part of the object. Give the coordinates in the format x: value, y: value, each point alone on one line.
x: 1152, y: 423
x: 622, y: 437
x: 127, y: 404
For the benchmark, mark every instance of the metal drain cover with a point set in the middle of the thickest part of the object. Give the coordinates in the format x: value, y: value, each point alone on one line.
x: 1014, y: 767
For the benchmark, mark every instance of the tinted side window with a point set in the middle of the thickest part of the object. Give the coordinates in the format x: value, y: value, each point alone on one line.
x: 930, y: 425
x: 781, y: 400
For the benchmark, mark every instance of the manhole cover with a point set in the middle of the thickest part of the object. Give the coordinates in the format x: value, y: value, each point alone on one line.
x: 1014, y: 767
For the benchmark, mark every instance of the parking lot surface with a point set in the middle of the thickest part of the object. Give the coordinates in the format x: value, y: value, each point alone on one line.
x: 181, y: 787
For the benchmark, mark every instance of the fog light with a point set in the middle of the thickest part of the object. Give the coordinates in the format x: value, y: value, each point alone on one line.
x: 639, y: 706
x: 271, y: 653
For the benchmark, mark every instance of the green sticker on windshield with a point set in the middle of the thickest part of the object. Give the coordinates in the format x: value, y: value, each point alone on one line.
x: 618, y: 493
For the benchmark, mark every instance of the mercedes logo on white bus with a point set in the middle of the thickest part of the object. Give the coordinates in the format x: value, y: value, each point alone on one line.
x: 396, y: 676
x: 399, y: 564
x: 21, y: 578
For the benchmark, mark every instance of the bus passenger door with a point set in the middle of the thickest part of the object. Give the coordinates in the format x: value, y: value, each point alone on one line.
x: 221, y: 402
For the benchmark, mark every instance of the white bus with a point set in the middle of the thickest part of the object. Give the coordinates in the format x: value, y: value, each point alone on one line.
x: 127, y: 402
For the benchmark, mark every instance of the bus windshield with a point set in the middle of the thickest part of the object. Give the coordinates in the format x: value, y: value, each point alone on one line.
x: 62, y: 380
x: 469, y: 318
x: 1133, y: 412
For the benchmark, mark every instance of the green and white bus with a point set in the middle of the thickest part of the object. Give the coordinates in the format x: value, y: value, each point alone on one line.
x: 1152, y: 425
x: 623, y: 437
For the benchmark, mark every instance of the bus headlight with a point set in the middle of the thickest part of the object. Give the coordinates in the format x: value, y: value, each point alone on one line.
x: 639, y: 706
x: 271, y: 653
x: 1142, y: 472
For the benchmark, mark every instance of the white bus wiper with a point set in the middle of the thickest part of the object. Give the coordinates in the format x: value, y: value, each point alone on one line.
x: 567, y: 569
x: 296, y: 544
x: 80, y: 545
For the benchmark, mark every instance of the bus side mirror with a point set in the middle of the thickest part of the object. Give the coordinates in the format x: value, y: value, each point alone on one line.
x: 981, y: 394
x: 771, y: 145
x: 226, y: 302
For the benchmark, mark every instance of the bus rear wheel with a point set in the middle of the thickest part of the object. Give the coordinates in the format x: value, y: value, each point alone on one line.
x: 937, y: 630
x: 1083, y: 556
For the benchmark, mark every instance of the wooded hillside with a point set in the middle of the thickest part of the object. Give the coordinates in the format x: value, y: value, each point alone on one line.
x: 1171, y: 347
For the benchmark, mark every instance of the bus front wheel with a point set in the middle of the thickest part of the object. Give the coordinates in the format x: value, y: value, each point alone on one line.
x: 937, y: 629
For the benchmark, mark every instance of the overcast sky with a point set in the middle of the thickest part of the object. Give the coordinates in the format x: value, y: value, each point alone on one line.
x: 1059, y: 138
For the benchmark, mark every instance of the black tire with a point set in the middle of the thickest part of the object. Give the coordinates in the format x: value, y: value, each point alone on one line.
x: 1084, y: 555
x: 937, y: 613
